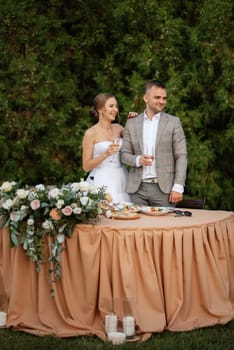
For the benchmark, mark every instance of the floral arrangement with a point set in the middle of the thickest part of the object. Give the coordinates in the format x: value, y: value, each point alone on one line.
x: 33, y: 213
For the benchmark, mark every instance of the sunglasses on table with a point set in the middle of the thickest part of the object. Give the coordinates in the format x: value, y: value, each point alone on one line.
x: 182, y: 213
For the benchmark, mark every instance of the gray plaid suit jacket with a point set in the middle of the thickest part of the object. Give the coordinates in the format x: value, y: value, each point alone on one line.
x: 170, y: 152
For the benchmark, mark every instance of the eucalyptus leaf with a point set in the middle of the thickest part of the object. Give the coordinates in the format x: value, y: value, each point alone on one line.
x: 54, y: 250
x: 60, y: 238
x: 3, y: 221
x: 14, y: 239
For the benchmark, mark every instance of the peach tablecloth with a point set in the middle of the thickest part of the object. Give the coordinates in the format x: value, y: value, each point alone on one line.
x: 174, y: 273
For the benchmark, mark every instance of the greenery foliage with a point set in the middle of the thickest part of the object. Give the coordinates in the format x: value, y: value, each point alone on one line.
x: 56, y: 56
x: 45, y: 215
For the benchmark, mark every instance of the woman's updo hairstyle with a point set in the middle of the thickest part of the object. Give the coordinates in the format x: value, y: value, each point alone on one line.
x: 98, y: 102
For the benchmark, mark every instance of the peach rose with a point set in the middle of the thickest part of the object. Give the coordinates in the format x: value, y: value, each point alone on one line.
x: 54, y: 214
x: 108, y: 197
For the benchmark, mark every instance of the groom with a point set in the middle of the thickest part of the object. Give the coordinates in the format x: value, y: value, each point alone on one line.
x: 154, y: 147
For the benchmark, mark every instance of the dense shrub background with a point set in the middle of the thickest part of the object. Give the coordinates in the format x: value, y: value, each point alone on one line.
x: 55, y: 56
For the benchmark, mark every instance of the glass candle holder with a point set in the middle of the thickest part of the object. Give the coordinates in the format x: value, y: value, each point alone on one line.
x: 129, y: 326
x: 3, y: 318
x: 111, y: 323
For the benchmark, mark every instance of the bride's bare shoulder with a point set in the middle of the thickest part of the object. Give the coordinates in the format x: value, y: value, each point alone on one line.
x: 118, y: 127
x: 91, y: 132
x: 90, y: 136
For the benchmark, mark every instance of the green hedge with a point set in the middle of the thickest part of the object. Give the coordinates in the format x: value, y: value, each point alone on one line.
x: 56, y: 56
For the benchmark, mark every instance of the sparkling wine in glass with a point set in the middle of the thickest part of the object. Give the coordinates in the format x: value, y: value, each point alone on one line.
x: 116, y: 143
x: 149, y: 150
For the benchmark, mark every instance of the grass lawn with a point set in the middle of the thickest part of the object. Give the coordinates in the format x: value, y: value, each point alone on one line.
x: 210, y: 338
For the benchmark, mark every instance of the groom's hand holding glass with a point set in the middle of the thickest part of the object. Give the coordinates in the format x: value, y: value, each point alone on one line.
x: 147, y: 159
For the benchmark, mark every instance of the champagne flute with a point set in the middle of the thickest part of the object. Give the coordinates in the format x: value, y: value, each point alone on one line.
x: 115, y: 142
x: 150, y: 152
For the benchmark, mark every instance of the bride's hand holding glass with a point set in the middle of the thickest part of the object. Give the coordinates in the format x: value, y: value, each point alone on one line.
x: 115, y: 142
x: 114, y: 147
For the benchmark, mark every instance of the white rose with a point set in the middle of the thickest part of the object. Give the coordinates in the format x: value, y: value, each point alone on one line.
x: 84, y: 186
x: 93, y: 188
x: 21, y: 193
x: 75, y: 186
x: 8, y: 204
x: 77, y: 210
x: 73, y: 205
x: 59, y: 203
x: 84, y: 200
x: 40, y: 187
x: 54, y: 193
x: 6, y: 186
x: 30, y: 222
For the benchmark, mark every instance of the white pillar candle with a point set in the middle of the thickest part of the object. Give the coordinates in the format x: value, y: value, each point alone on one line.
x: 116, y: 337
x: 3, y: 317
x: 129, y: 326
x: 111, y: 323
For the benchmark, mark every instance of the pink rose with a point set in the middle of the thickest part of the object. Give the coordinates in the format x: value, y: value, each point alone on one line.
x: 67, y: 211
x: 35, y: 204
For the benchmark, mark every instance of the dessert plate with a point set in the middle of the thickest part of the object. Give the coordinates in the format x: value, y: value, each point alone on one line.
x: 155, y: 211
x: 125, y: 215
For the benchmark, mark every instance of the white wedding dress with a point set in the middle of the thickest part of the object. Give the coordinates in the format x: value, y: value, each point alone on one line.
x: 110, y: 173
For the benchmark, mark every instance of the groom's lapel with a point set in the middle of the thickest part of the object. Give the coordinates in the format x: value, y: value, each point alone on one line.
x: 139, y: 132
x: 161, y: 126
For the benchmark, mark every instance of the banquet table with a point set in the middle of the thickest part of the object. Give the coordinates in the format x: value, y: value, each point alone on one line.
x: 170, y: 273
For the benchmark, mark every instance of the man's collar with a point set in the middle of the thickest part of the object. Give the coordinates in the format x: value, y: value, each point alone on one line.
x: 157, y: 115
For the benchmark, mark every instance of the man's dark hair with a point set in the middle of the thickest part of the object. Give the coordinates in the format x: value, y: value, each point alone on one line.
x: 151, y: 83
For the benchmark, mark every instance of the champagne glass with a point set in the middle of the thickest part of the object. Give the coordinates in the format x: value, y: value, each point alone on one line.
x: 115, y: 142
x: 149, y: 150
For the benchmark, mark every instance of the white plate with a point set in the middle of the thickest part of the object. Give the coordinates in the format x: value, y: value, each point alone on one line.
x: 155, y: 211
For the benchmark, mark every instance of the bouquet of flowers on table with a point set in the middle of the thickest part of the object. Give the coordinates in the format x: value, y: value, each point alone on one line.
x: 32, y: 213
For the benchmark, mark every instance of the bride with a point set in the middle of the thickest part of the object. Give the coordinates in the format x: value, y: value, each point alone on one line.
x: 101, y: 149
